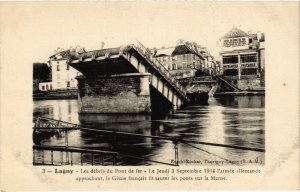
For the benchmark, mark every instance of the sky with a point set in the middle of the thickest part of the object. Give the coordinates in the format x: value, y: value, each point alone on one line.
x: 43, y: 27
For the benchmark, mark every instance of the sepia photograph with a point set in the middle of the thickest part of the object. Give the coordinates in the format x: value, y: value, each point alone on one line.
x: 133, y: 104
x: 175, y: 95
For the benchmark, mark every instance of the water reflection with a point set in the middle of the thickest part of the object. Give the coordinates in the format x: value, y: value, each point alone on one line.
x: 233, y: 120
x: 64, y: 110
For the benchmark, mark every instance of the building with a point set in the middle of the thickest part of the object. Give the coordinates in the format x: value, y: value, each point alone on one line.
x: 63, y: 76
x: 45, y: 86
x: 209, y: 66
x: 185, y: 58
x: 243, y: 58
x: 164, y: 56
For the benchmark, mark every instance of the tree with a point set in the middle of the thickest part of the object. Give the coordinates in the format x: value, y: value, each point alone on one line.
x: 41, y: 71
x: 102, y: 44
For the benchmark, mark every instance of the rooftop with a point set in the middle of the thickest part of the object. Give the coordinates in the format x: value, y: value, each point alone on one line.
x: 235, y: 32
x: 182, y: 49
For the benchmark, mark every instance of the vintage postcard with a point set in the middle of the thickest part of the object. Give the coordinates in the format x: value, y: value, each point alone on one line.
x: 149, y: 95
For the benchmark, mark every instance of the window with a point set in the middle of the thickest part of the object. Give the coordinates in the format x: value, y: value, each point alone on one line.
x: 231, y: 72
x: 232, y: 59
x: 173, y: 66
x: 69, y: 109
x: 58, y: 68
x: 250, y: 40
x: 249, y: 71
x: 247, y: 58
x: 43, y: 87
x: 50, y: 86
x: 68, y: 66
x: 68, y: 83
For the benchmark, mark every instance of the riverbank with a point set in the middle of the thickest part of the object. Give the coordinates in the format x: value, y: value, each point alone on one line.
x: 240, y: 93
x: 55, y: 95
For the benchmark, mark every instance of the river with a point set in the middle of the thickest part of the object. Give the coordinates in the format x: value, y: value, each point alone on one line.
x: 236, y: 120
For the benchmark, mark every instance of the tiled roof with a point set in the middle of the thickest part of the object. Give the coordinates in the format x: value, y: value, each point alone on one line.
x: 235, y: 32
x: 182, y: 49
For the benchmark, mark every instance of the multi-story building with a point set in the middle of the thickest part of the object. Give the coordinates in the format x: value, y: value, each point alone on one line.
x: 164, y: 56
x: 209, y: 65
x: 62, y: 75
x: 243, y: 59
x: 185, y: 58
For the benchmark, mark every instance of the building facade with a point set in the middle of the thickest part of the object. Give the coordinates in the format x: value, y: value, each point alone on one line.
x: 186, y: 58
x: 164, y: 56
x: 210, y: 65
x: 45, y: 86
x: 62, y: 75
x: 243, y: 60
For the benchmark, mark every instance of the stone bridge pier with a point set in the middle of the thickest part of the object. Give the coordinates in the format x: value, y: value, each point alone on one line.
x: 119, y: 93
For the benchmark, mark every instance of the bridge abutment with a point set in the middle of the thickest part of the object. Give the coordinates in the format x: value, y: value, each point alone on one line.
x: 121, y: 93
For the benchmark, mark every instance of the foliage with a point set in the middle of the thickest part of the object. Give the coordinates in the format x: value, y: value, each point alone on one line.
x: 41, y: 71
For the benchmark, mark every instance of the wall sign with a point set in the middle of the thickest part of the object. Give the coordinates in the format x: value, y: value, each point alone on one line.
x: 235, y: 42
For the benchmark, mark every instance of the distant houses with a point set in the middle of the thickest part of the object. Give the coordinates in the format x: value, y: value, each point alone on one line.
x: 184, y: 59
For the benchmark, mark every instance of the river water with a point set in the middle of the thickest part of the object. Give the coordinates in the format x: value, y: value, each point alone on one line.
x: 236, y: 120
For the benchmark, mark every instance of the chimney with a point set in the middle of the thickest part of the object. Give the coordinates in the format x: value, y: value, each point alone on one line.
x: 258, y: 35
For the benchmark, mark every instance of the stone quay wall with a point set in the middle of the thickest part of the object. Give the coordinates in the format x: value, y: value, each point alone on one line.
x: 127, y: 93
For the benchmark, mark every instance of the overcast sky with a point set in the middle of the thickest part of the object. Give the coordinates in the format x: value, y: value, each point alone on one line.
x: 44, y: 27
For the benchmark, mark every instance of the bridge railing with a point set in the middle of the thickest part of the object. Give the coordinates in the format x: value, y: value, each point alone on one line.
x: 44, y: 122
x: 146, y: 53
x: 95, y: 54
x: 224, y: 79
x: 98, y: 157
